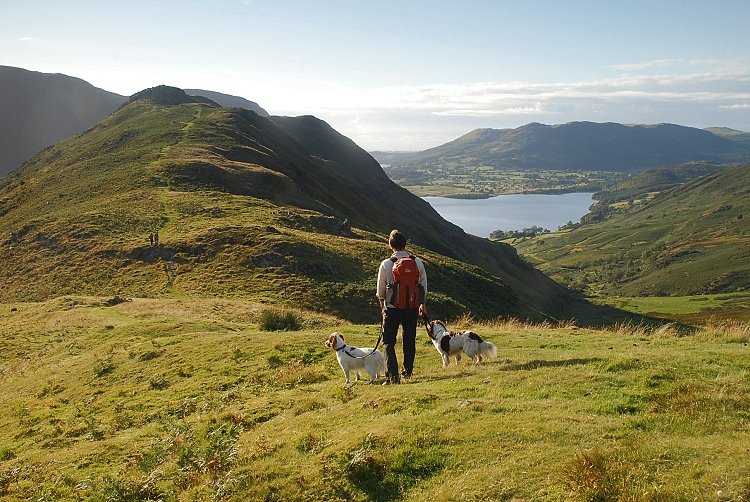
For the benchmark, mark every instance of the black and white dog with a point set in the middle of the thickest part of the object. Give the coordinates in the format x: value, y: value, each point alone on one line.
x: 352, y: 359
x: 452, y: 343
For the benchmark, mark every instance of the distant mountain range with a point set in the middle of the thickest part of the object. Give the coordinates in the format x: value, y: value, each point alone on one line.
x: 40, y: 109
x: 575, y: 146
x: 229, y: 101
x: 282, y: 210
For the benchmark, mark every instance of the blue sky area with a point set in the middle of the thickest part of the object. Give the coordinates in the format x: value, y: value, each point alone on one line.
x: 409, y: 75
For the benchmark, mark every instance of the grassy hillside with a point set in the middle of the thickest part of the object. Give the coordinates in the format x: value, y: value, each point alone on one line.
x: 637, y: 190
x: 692, y: 239
x: 283, y: 210
x: 190, y: 400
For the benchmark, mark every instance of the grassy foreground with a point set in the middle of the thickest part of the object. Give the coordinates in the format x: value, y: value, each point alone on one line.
x: 190, y: 400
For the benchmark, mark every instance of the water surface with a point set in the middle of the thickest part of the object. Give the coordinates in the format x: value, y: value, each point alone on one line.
x: 512, y: 212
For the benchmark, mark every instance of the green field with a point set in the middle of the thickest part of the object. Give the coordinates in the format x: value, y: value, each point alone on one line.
x: 698, y: 309
x: 456, y: 180
x: 192, y: 400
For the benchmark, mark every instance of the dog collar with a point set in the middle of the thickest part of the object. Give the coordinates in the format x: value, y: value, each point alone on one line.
x: 343, y: 348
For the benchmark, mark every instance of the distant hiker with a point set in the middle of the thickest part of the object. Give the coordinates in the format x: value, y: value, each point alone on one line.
x: 401, y: 291
x: 156, y: 238
x: 151, y: 238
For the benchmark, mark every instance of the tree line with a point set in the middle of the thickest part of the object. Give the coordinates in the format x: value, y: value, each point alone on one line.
x: 532, y: 231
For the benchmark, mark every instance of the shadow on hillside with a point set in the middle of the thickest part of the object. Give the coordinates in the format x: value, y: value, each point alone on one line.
x: 540, y: 363
x: 531, y: 365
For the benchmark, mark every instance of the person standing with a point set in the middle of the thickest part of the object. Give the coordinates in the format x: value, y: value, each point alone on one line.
x: 401, y: 291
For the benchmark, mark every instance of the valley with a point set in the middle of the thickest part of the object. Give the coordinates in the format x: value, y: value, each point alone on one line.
x: 689, y: 239
x: 193, y: 368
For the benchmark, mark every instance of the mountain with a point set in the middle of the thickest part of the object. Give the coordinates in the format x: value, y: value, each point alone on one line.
x: 39, y: 109
x: 229, y: 101
x: 282, y: 210
x: 690, y: 239
x: 572, y: 146
x: 733, y: 134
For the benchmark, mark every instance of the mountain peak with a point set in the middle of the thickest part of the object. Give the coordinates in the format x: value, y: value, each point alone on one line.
x: 166, y: 95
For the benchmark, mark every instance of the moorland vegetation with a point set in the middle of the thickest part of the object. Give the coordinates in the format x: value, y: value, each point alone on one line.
x: 194, y: 368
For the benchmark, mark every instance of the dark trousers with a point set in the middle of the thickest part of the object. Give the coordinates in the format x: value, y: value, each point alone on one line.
x: 392, y: 320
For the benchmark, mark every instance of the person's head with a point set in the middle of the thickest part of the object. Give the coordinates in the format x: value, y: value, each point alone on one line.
x: 397, y: 240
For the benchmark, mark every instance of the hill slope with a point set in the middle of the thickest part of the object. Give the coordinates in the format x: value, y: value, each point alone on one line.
x: 733, y: 134
x: 692, y: 239
x: 283, y: 210
x: 188, y: 400
x: 572, y: 146
x: 39, y: 109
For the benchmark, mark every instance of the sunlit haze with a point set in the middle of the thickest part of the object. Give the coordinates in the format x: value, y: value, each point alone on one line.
x: 409, y: 75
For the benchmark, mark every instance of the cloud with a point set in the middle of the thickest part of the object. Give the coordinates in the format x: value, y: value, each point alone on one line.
x: 693, y: 96
x: 516, y: 110
x: 657, y: 63
x: 720, y: 88
x: 669, y: 63
x: 28, y: 39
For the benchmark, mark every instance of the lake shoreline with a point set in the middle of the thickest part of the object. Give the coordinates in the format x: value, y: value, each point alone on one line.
x: 513, y: 212
x: 541, y: 191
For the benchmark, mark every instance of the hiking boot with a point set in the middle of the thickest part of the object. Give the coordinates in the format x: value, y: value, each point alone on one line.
x: 406, y: 375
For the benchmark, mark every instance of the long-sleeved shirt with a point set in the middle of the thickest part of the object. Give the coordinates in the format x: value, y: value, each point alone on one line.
x: 385, y: 276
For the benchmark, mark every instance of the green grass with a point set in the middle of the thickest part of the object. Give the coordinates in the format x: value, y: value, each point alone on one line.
x: 690, y: 240
x: 243, y: 210
x: 692, y: 309
x: 189, y: 399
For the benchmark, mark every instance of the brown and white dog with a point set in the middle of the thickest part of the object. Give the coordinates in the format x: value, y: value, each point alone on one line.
x: 354, y: 360
x: 452, y: 343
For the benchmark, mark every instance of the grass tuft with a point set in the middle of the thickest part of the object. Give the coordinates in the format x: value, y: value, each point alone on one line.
x: 279, y: 320
x: 383, y: 472
x: 730, y: 331
x: 103, y: 367
x: 600, y: 475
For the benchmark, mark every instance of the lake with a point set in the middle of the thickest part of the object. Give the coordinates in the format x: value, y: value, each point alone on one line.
x: 512, y: 212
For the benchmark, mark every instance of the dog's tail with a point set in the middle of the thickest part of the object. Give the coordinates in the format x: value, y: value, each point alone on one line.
x: 488, y: 350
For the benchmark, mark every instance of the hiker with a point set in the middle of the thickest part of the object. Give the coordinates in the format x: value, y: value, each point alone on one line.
x: 401, y: 291
x: 151, y: 238
x: 156, y: 238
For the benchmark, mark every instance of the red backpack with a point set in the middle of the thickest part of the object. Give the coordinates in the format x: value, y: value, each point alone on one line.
x: 407, y: 292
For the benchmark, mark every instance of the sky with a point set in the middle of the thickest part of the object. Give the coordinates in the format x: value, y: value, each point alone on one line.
x: 409, y: 74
